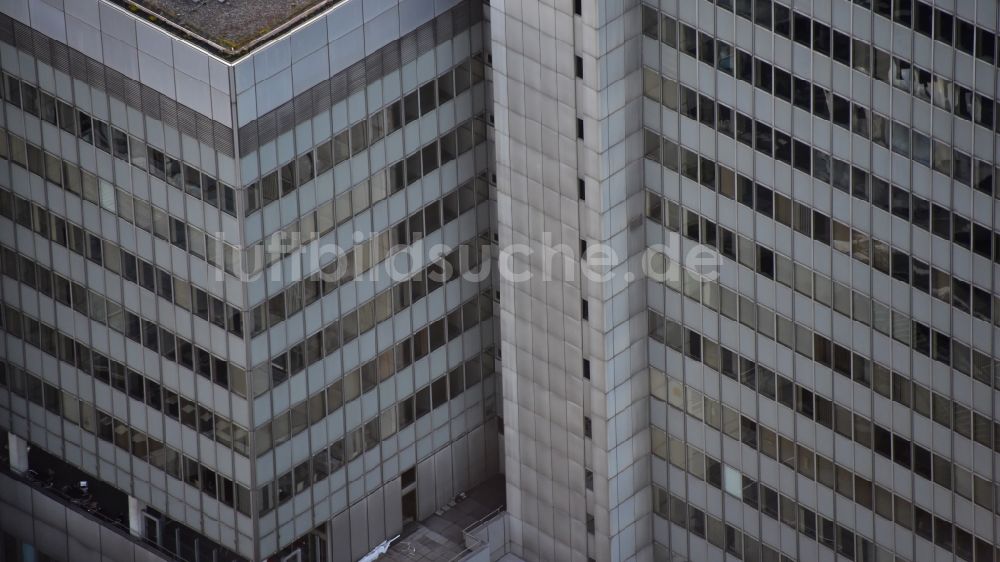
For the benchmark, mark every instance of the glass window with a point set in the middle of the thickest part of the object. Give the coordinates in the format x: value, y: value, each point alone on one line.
x: 688, y: 40
x: 965, y: 36
x: 944, y: 27
x: 706, y: 49
x: 900, y: 139
x: 744, y: 66
x: 411, y: 107
x: 782, y: 21
x: 821, y: 38
x: 359, y: 139
x: 801, y: 29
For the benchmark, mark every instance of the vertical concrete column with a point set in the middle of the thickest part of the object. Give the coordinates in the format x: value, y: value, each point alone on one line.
x: 18, y: 453
x: 135, y: 517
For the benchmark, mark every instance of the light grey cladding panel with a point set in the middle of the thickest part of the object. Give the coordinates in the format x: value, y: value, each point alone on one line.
x: 347, y: 50
x: 274, y: 91
x: 308, y: 38
x: 18, y: 9
x: 47, y: 19
x: 375, y: 7
x: 376, y: 517
x: 392, y: 497
x: 191, y: 61
x: 193, y: 93
x: 244, y: 75
x: 85, y: 10
x: 310, y: 70
x: 442, y: 475
x: 414, y: 13
x: 476, y: 454
x: 156, y: 74
x: 154, y: 42
x: 344, y: 18
x: 272, y: 59
x: 84, y: 37
x: 359, y: 531
x: 340, y: 537
x: 121, y: 57
x: 381, y: 29
x: 221, y: 108
x: 246, y: 107
x: 116, y: 23
x: 218, y: 74
x: 460, y: 466
x: 425, y: 488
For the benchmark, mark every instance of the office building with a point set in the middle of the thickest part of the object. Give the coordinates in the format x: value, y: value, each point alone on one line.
x: 185, y: 356
x: 829, y: 395
x: 177, y: 335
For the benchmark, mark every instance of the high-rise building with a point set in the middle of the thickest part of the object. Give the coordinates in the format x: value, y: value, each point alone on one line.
x: 827, y: 394
x: 181, y: 334
x: 190, y: 370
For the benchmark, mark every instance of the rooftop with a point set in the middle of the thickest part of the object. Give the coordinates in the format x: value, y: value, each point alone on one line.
x: 442, y: 536
x: 228, y: 28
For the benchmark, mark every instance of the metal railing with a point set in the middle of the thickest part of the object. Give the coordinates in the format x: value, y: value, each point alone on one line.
x: 469, y: 536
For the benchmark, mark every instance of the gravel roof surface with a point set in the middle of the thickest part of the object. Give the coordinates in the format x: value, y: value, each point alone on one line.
x: 230, y: 23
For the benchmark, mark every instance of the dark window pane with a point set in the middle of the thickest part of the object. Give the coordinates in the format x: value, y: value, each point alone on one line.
x: 821, y: 38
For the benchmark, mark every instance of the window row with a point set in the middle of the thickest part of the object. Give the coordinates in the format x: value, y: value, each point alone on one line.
x: 853, y: 366
x: 932, y: 467
x: 921, y: 17
x: 367, y: 436
x: 363, y: 196
x: 939, y: 25
x: 100, y: 309
x: 936, y: 155
x: 350, y: 325
x: 823, y: 411
x: 144, y: 332
x: 912, y: 208
x: 837, y: 296
x: 790, y: 512
x: 891, y: 262
x: 358, y: 137
x: 727, y: 537
x: 119, y: 144
x: 118, y: 261
x: 112, y: 430
x: 355, y: 263
x: 767, y: 500
x: 359, y: 320
x: 819, y: 226
x: 337, y: 334
x: 118, y: 376
x: 117, y: 201
x: 901, y: 74
x: 368, y: 376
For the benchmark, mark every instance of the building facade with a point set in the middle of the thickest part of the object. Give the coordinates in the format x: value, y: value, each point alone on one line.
x: 829, y: 394
x: 199, y: 314
x: 180, y: 332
